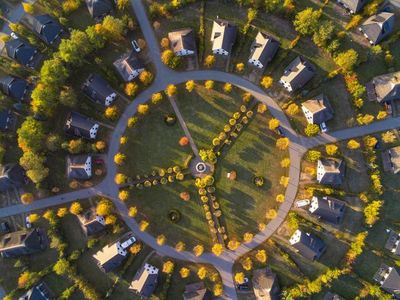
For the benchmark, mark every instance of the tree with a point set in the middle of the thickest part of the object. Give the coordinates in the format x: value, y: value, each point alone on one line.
x: 346, y: 60
x: 111, y: 112
x: 285, y: 163
x: 371, y: 212
x: 202, y: 273
x: 233, y: 244
x: 228, y: 87
x: 170, y: 59
x: 266, y: 82
x: 324, y: 33
x: 388, y: 137
x: 28, y: 8
x: 198, y: 250
x: 96, y: 36
x: 261, y: 256
x: 246, y: 97
x: 247, y: 237
x: 313, y: 155
x: 284, y: 180
x: 110, y: 219
x: 75, y: 208
x: 119, y: 158
x: 353, y: 144
x: 161, y: 239
x: 292, y: 109
x: 156, y: 98
x: 239, y: 67
x: 184, y: 272
x: 209, y: 61
x: 381, y: 115
x: 53, y: 72
x: 164, y: 43
x: 132, y: 211
x: 189, y: 85
x: 27, y: 279
x: 131, y: 89
x: 104, y: 207
x: 33, y: 163
x: 33, y: 218
x: 282, y: 143
x: 31, y: 135
x: 146, y: 77
x: 311, y: 129
x: 120, y: 178
x: 112, y: 28
x: 239, y: 278
x: 26, y: 198
x: 62, y: 212
x: 218, y: 290
x: 135, y: 249
x: 143, y: 225
x: 306, y: 21
x: 123, y: 140
x: 171, y: 90
x: 44, y: 99
x: 68, y: 97
x: 331, y: 149
x: 280, y: 198
x: 123, y: 195
x: 370, y: 141
x: 180, y: 246
x: 247, y: 263
x: 61, y: 267
x: 209, y: 84
x: 122, y: 4
x: 217, y: 249
x: 74, y: 49
x: 271, y: 214
x: 261, y: 108
x: 168, y: 267
x: 273, y: 124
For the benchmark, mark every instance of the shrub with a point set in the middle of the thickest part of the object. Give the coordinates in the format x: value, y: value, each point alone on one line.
x: 239, y: 277
x: 228, y: 87
x: 184, y: 272
x: 209, y: 61
x: 313, y: 155
x: 143, y: 109
x: 285, y: 163
x: 217, y: 249
x: 131, y: 89
x: 198, y: 250
x: 311, y: 129
x: 171, y: 90
x: 353, y: 144
x: 75, y: 208
x: 266, y: 82
x: 156, y: 98
x: 111, y: 112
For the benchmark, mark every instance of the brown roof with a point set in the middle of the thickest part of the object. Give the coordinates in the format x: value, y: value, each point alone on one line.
x: 395, y: 159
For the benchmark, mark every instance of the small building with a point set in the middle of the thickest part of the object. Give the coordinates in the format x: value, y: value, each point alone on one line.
x: 23, y: 242
x: 129, y: 66
x: 307, y: 244
x: 391, y: 160
x: 16, y: 88
x: 328, y: 209
x: 80, y: 126
x: 353, y: 6
x: 99, y: 90
x: 297, y: 74
x: 332, y: 296
x: 111, y: 256
x: 12, y: 176
x: 223, y: 37
x: 196, y: 291
x: 266, y: 285
x: 145, y: 281
x: 389, y: 280
x: 99, y: 9
x: 263, y: 50
x: 384, y: 88
x: 317, y: 110
x: 377, y: 27
x: 39, y: 292
x: 91, y: 223
x: 393, y: 243
x: 182, y: 42
x: 79, y: 166
x: 330, y: 171
x: 6, y: 119
x: 46, y: 28
x: 23, y: 53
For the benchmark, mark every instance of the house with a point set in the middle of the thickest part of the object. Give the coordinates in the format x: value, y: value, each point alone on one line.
x: 297, y: 74
x: 330, y: 171
x: 16, y: 88
x: 265, y: 285
x: 332, y: 296
x: 391, y: 160
x: 99, y: 9
x: 79, y: 166
x: 145, y: 281
x: 353, y: 6
x: 111, y: 256
x: 99, y: 90
x: 81, y: 126
x: 393, y: 243
x: 389, y: 280
x: 307, y: 244
x: 317, y: 110
x: 12, y: 176
x: 182, y: 42
x: 46, y: 28
x: 328, y: 209
x: 377, y: 27
x: 129, y: 66
x: 223, y: 37
x: 196, y: 291
x: 23, y: 53
x: 384, y: 88
x: 91, y: 222
x: 6, y: 119
x: 39, y: 292
x: 23, y: 242
x: 263, y: 50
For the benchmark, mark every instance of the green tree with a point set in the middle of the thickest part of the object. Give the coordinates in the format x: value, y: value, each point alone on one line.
x: 61, y: 266
x: 113, y: 28
x: 68, y: 97
x: 53, y: 72
x: 311, y: 129
x: 44, y: 99
x: 95, y: 36
x: 324, y: 33
x: 307, y: 21
x: 346, y: 60
x: 31, y: 135
x: 76, y: 48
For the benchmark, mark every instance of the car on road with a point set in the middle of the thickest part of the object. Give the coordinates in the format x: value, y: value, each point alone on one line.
x: 135, y: 46
x: 323, y: 127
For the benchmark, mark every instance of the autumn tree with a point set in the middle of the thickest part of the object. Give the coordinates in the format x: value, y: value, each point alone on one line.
x: 266, y: 82
x: 164, y: 43
x: 168, y: 267
x: 170, y: 59
x: 239, y: 278
x: 26, y: 198
x: 311, y: 129
x: 143, y: 109
x: 202, y: 273
x: 132, y: 211
x: 306, y: 21
x: 111, y: 112
x: 209, y: 84
x: 156, y: 98
x: 271, y: 214
x: 346, y: 60
x: 131, y: 89
x: 33, y: 218
x: 61, y: 266
x: 33, y: 163
x: 161, y: 239
x: 62, y: 212
x: 146, y: 77
x: 123, y: 195
x: 75, y: 208
x: 292, y: 109
x: 135, y: 249
x: 282, y: 143
x: 180, y: 246
x: 273, y: 124
x: 143, y: 225
x: 285, y: 163
x: 113, y: 28
x: 171, y: 90
x: 261, y: 256
x: 189, y: 85
x: 31, y: 135
x: 233, y: 244
x: 247, y: 237
x: 388, y: 137
x: 239, y: 67
x: 122, y: 4
x: 217, y: 249
x: 209, y: 61
x: 353, y: 144
x: 280, y: 198
x: 247, y: 263
x: 313, y: 155
x: 371, y: 212
x: 324, y: 34
x: 120, y: 178
x: 184, y: 272
x: 331, y: 149
x: 119, y: 158
x: 227, y: 87
x: 218, y: 290
x: 27, y: 279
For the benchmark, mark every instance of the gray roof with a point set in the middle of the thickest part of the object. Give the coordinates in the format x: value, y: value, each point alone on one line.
x: 265, y: 285
x: 223, y: 35
x: 23, y: 53
x: 393, y: 243
x: 332, y: 296
x: 78, y: 125
x: 320, y: 107
x: 328, y: 209
x: 334, y: 171
x: 46, y: 27
x: 145, y: 281
x: 39, y: 292
x: 98, y: 9
x: 389, y: 279
x: 23, y: 242
x: 264, y: 48
x: 379, y: 26
x: 89, y: 222
x: 77, y: 166
x: 97, y: 89
x: 196, y: 291
x: 16, y: 88
x: 6, y: 119
x: 354, y: 5
x: 298, y: 73
x: 387, y: 87
x: 12, y: 176
x: 128, y: 63
x: 309, y: 245
x: 182, y: 39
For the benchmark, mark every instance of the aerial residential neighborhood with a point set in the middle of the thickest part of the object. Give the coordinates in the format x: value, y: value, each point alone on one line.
x: 199, y: 149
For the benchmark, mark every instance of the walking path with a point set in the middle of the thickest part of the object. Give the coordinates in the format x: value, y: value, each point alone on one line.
x: 298, y: 147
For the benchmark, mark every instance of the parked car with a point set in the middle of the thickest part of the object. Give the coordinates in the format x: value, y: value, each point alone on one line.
x: 302, y: 203
x: 243, y: 286
x: 4, y: 227
x: 135, y: 46
x: 129, y: 242
x: 280, y: 131
x: 323, y: 127
x: 14, y: 35
x: 27, y: 223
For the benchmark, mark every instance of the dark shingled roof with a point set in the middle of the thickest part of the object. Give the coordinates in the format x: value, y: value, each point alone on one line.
x: 23, y: 53
x: 6, y: 119
x: 182, y: 39
x: 320, y: 107
x: 224, y: 35
x: 334, y: 171
x: 78, y: 125
x: 23, y: 242
x: 389, y: 279
x: 377, y: 27
x: 298, y: 73
x: 145, y: 281
x: 97, y: 89
x: 98, y: 9
x: 328, y: 209
x: 16, y: 88
x: 386, y: 87
x: 265, y: 285
x: 89, y: 222
x: 79, y: 166
x: 46, y: 27
x: 128, y: 63
x: 331, y: 296
x: 196, y: 291
x: 307, y: 244
x: 393, y: 243
x: 12, y: 176
x: 38, y: 292
x: 354, y: 5
x: 264, y: 48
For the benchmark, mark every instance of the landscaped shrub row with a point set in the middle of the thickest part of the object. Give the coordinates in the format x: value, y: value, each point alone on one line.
x: 163, y: 176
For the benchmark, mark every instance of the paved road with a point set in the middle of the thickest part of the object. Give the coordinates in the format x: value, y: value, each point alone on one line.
x: 298, y: 146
